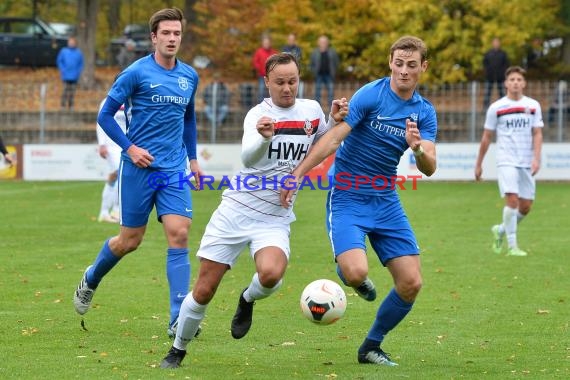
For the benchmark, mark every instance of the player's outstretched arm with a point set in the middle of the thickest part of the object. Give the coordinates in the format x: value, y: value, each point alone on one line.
x: 326, y: 145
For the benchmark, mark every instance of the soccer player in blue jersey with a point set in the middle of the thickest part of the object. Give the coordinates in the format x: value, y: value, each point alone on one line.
x: 158, y: 93
x: 385, y: 118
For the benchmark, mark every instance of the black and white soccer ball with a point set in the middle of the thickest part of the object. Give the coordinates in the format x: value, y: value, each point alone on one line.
x: 323, y: 302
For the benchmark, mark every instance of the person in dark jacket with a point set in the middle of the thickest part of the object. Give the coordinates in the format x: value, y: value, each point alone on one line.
x: 70, y: 64
x: 324, y: 64
x: 495, y: 63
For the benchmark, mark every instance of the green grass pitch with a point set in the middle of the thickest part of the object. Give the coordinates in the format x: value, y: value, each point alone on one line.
x: 478, y: 316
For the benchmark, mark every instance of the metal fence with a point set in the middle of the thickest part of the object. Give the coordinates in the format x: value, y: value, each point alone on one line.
x: 30, y: 113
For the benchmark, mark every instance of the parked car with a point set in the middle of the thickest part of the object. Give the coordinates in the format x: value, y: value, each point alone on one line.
x: 140, y: 34
x: 63, y: 29
x: 28, y: 42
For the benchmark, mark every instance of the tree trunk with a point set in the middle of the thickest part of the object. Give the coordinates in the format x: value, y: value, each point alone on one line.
x: 114, y: 17
x: 190, y: 16
x: 87, y: 28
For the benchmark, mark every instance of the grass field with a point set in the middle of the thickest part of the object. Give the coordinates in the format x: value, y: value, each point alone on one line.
x: 479, y: 315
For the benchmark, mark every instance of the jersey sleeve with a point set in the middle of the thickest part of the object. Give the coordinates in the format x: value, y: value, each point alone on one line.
x: 538, y: 122
x: 253, y: 145
x: 190, y: 134
x: 491, y: 118
x: 427, y: 124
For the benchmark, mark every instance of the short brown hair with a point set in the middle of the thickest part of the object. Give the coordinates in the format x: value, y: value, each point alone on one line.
x: 279, y: 59
x: 410, y: 43
x: 515, y: 69
x: 170, y: 14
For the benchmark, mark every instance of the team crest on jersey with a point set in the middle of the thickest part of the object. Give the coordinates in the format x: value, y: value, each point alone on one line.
x: 414, y: 117
x: 308, y: 127
x: 183, y: 83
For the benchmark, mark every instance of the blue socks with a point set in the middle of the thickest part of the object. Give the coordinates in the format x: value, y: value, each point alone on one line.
x: 391, y: 312
x: 178, y: 274
x: 104, y: 262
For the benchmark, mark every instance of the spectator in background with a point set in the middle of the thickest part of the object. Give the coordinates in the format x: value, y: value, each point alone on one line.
x: 495, y: 63
x: 127, y: 54
x: 324, y: 64
x: 259, y: 58
x: 70, y: 64
x: 5, y: 152
x: 533, y: 55
x: 293, y: 48
x: 217, y: 99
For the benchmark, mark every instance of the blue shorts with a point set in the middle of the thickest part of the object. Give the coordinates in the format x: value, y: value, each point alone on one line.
x: 352, y: 216
x: 142, y: 189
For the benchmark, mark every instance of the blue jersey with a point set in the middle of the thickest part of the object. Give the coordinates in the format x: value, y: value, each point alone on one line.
x: 377, y: 141
x: 158, y: 102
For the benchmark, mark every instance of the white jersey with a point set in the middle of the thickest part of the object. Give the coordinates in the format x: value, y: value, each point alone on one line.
x: 513, y: 121
x: 254, y: 190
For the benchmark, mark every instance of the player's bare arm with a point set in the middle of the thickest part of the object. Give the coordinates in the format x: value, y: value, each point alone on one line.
x: 198, y: 173
x: 485, y: 142
x: 424, y: 150
x: 536, y: 149
x: 326, y: 145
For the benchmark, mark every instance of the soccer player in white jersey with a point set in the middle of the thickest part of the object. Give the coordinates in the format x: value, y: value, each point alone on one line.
x: 385, y: 118
x: 158, y: 92
x: 278, y: 133
x: 111, y: 152
x: 517, y: 121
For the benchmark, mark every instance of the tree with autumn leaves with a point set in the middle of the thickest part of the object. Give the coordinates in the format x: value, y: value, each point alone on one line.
x: 457, y: 32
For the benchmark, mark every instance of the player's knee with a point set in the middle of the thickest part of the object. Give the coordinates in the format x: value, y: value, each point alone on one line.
x: 354, y: 275
x: 203, y: 293
x: 410, y: 288
x: 178, y: 237
x: 524, y: 209
x: 270, y: 277
x: 126, y: 245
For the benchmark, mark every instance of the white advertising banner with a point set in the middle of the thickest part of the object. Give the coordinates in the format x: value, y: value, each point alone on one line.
x: 62, y: 162
x: 456, y: 162
x: 219, y: 160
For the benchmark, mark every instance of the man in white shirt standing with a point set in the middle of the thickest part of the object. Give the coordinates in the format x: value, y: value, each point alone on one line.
x: 111, y: 152
x: 517, y: 120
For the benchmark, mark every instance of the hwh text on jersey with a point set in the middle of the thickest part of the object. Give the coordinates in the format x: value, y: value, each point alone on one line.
x: 288, y: 151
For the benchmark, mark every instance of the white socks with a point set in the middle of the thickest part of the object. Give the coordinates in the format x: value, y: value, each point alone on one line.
x: 255, y: 291
x: 191, y: 314
x: 109, y: 198
x: 510, y: 225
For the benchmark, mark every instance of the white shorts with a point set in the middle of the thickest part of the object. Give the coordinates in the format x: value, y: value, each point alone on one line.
x: 113, y: 159
x: 228, y: 232
x: 516, y: 181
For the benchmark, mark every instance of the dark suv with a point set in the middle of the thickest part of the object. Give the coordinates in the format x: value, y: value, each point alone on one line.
x: 28, y: 42
x: 137, y: 33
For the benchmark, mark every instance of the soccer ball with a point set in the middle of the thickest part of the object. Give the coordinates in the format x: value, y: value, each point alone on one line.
x: 323, y: 302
